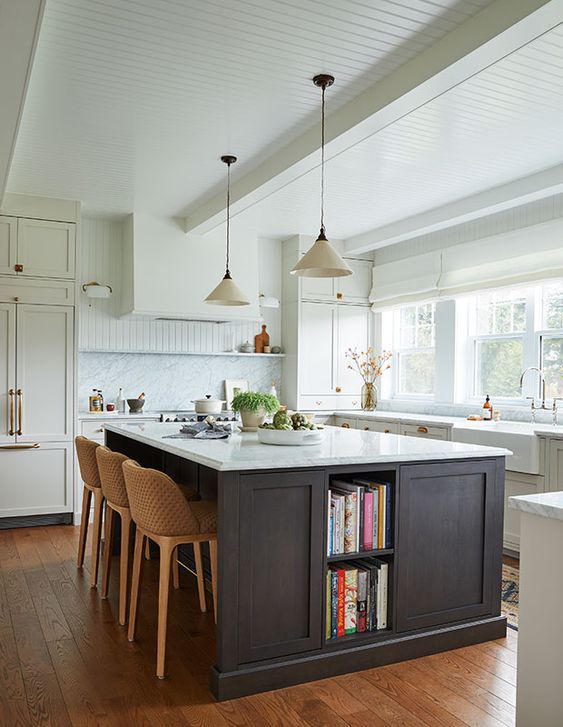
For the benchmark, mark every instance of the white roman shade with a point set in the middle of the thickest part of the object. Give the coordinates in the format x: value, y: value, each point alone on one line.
x: 529, y: 254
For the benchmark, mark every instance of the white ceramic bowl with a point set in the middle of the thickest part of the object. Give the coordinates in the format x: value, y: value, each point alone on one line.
x: 290, y: 437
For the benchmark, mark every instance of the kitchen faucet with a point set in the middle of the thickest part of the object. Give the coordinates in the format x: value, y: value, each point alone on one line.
x: 533, y: 398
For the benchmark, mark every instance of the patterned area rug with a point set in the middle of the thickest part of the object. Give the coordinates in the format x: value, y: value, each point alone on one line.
x: 510, y: 592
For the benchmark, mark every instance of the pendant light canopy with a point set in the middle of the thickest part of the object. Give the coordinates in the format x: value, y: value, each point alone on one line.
x: 227, y: 292
x: 322, y: 260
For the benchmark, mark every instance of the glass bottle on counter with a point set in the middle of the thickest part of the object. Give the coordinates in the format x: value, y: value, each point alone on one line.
x: 120, y: 403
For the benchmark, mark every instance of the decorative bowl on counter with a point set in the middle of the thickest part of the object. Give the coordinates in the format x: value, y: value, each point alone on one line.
x: 290, y: 437
x: 135, y: 405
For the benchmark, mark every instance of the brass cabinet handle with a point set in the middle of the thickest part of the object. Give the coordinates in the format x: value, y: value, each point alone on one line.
x: 339, y: 296
x: 338, y: 389
x: 366, y: 429
x: 35, y: 445
x: 345, y: 425
x: 11, y: 394
x: 386, y: 431
x: 20, y: 412
x: 422, y: 430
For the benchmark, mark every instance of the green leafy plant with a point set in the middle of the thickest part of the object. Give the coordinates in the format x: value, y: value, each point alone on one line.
x: 255, y: 401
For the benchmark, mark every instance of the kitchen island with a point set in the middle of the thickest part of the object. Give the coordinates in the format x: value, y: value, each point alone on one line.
x: 444, y: 564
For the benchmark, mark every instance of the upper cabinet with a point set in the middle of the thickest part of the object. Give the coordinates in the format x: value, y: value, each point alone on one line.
x: 351, y: 289
x: 37, y: 248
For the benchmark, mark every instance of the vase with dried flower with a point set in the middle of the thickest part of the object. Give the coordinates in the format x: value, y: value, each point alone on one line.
x: 370, y: 366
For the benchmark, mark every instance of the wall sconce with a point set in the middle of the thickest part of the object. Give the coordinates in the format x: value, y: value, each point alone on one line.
x: 268, y: 301
x: 97, y: 290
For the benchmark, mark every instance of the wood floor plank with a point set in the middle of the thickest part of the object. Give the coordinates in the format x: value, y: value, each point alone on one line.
x: 64, y: 660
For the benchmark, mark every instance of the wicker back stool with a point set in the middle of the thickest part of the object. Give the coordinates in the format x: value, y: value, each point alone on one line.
x: 86, y: 453
x: 162, y: 513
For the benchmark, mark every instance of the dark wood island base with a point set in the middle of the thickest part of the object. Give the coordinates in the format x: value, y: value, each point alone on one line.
x: 444, y: 566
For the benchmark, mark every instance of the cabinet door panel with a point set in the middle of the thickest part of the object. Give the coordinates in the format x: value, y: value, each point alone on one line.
x: 44, y: 375
x: 353, y: 331
x: 36, y: 481
x: 555, y: 479
x: 517, y: 484
x: 8, y: 242
x: 281, y: 557
x: 428, y: 432
x: 450, y: 524
x: 316, y: 343
x: 355, y: 288
x: 46, y: 249
x: 317, y: 288
x: 7, y: 367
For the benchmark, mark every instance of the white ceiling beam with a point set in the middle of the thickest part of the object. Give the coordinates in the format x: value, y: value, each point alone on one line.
x: 497, y: 199
x: 499, y: 29
x: 20, y: 21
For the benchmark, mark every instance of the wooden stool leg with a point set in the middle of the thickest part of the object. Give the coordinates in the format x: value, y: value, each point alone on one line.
x: 124, y: 566
x: 200, y: 579
x: 175, y: 569
x: 148, y: 550
x: 135, y: 583
x: 213, y: 558
x: 86, y: 498
x: 166, y: 553
x: 108, y: 547
x: 96, y: 535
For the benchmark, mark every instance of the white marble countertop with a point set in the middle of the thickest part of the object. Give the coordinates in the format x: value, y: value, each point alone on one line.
x: 243, y: 451
x: 545, y: 504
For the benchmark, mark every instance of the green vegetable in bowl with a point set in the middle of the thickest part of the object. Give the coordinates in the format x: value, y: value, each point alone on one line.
x: 282, y: 420
x: 299, y: 420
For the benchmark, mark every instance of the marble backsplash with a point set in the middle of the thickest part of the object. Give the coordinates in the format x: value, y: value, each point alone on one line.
x: 170, y: 381
x: 508, y: 413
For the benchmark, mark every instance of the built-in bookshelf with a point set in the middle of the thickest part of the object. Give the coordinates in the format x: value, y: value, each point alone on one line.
x: 360, y: 534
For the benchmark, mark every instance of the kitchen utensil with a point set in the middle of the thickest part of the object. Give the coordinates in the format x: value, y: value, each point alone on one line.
x: 208, y: 405
x: 262, y: 339
x: 135, y: 405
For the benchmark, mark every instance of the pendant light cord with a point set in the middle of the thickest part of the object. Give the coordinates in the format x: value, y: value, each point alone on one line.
x: 228, y: 214
x: 323, y: 159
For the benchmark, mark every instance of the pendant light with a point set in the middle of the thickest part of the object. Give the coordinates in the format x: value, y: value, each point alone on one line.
x: 227, y: 292
x: 322, y: 260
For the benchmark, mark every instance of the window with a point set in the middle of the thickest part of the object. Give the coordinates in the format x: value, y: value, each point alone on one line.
x: 414, y: 327
x: 551, y: 339
x: 499, y: 343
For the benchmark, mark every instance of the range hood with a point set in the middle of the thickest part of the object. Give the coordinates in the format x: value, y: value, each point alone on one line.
x: 167, y: 273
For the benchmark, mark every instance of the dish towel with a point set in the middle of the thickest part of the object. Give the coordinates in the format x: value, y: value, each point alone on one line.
x: 201, y: 430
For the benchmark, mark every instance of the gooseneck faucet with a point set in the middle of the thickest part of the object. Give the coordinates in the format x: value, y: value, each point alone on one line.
x: 533, y: 399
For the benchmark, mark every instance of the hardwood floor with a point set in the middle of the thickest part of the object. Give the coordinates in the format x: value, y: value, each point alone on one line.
x: 64, y: 660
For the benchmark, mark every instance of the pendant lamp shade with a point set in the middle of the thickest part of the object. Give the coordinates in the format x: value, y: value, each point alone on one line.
x: 322, y: 260
x: 227, y: 292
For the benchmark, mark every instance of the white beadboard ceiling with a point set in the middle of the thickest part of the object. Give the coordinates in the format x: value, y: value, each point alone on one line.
x: 502, y: 124
x: 131, y: 102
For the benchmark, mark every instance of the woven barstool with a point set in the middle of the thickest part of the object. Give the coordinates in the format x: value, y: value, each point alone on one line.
x: 86, y: 453
x: 113, y: 486
x: 162, y: 513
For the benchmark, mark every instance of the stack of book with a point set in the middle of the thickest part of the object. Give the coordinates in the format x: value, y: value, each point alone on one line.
x: 356, y: 597
x: 359, y: 516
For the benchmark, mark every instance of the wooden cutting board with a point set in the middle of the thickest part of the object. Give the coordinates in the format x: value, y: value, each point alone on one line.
x: 261, y: 340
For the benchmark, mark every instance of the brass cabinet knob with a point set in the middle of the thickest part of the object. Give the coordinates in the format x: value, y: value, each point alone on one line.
x: 366, y: 429
x: 16, y: 299
x: 422, y: 430
x: 318, y: 403
x: 386, y: 431
x: 345, y: 425
x: 339, y: 296
x: 338, y: 389
x: 18, y: 268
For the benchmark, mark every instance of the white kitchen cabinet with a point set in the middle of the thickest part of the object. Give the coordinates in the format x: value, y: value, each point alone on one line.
x: 41, y: 291
x: 94, y: 428
x: 554, y: 465
x: 352, y: 330
x: 378, y: 425
x: 349, y: 289
x: 46, y: 249
x: 36, y: 480
x: 7, y: 371
x: 423, y: 430
x: 8, y: 244
x: 317, y: 345
x: 517, y: 483
x: 44, y: 372
x: 327, y: 331
x: 345, y: 422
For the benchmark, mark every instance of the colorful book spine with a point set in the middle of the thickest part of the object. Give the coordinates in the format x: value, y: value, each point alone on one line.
x: 328, y: 605
x: 368, y: 521
x: 388, y: 518
x: 329, y: 525
x: 360, y: 516
x: 381, y: 522
x: 350, y: 523
x: 361, y: 618
x: 334, y: 604
x: 350, y: 599
x: 340, y: 601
